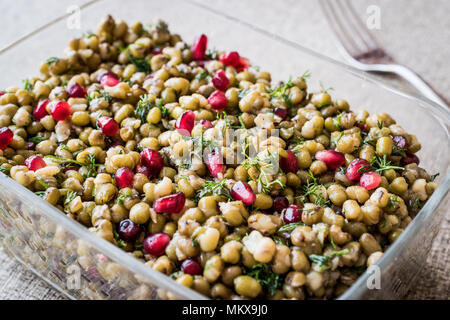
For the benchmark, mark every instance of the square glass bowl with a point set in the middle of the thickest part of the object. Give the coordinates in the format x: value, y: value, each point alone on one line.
x: 83, y: 266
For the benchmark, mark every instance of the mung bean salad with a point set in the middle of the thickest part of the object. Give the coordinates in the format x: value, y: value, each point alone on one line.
x: 309, y: 197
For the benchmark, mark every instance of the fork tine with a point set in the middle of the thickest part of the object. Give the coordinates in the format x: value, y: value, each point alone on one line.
x: 346, y: 18
x: 338, y: 28
x: 360, y: 28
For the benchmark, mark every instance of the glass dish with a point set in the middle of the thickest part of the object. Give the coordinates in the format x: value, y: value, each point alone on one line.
x: 83, y: 266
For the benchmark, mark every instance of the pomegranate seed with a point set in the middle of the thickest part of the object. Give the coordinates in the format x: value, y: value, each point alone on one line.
x: 192, y: 267
x: 41, y: 110
x: 124, y: 177
x: 128, y: 230
x: 31, y: 145
x: 280, y: 112
x: 217, y: 100
x: 364, y: 127
x: 206, y: 123
x: 356, y: 169
x: 34, y: 163
x: 143, y: 169
x: 199, y: 47
x: 108, y: 126
x: 333, y: 159
x: 399, y: 141
x: 242, y: 191
x: 2, y: 93
x: 293, y: 213
x: 243, y: 64
x: 410, y: 158
x: 170, y: 204
x: 153, y: 160
x: 280, y: 203
x: 156, y: 51
x: 220, y: 80
x: 370, y: 180
x: 185, y: 123
x: 214, y: 162
x: 6, y: 136
x: 290, y: 163
x: 201, y: 63
x: 60, y: 110
x: 230, y: 58
x: 75, y: 90
x: 108, y: 78
x: 156, y: 243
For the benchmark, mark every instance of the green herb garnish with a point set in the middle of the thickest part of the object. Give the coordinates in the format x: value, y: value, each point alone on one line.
x: 36, y: 139
x: 204, y: 75
x: 27, y: 85
x: 71, y: 195
x: 262, y: 272
x: 281, y: 91
x: 141, y: 64
x: 215, y: 189
x: 51, y: 60
x: 313, y: 188
x: 40, y: 194
x: 290, y: 227
x: 4, y: 170
x: 323, y: 262
x: 379, y: 164
x: 42, y: 183
x: 122, y: 197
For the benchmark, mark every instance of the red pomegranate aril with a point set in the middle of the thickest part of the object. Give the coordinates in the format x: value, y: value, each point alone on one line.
x: 293, y: 213
x: 108, y: 126
x: 218, y: 100
x: 243, y: 64
x: 156, y: 243
x: 75, y: 90
x: 6, y: 136
x: 34, y: 163
x: 31, y: 145
x: 153, y: 160
x: 124, y: 177
x: 280, y: 203
x: 60, y: 110
x: 199, y: 47
x: 206, y: 123
x: 333, y: 159
x: 242, y: 191
x: 220, y: 80
x: 192, y: 267
x: 356, y: 169
x: 289, y: 164
x: 399, y: 141
x: 156, y: 51
x: 280, y: 112
x: 370, y: 180
x: 108, y: 79
x: 128, y: 230
x: 170, y: 204
x: 185, y: 123
x: 214, y: 162
x: 41, y: 110
x: 230, y: 58
x: 410, y: 158
x: 143, y: 170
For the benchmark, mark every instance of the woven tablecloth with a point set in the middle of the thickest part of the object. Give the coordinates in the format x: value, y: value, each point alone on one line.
x: 415, y: 33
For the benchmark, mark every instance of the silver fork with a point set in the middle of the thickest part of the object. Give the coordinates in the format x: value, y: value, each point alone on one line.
x: 361, y: 49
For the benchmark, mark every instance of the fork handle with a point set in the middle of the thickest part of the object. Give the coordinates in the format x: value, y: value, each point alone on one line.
x: 415, y: 80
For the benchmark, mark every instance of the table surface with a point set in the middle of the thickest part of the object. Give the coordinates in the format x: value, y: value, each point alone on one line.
x: 410, y: 31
